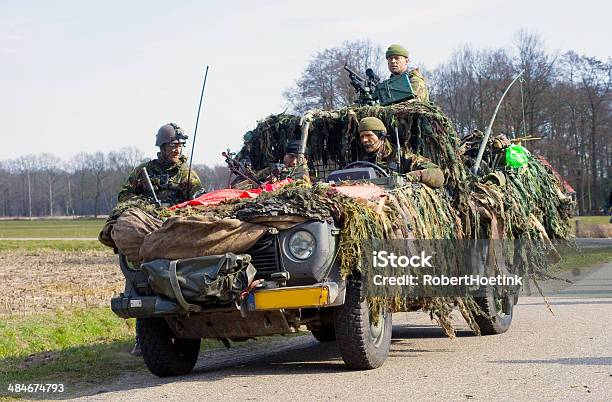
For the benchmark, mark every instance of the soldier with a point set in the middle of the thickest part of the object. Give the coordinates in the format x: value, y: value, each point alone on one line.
x: 374, y: 139
x: 168, y: 173
x: 293, y: 168
x: 397, y: 61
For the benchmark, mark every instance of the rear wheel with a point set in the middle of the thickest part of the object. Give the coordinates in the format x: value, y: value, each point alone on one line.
x: 498, y: 310
x: 164, y: 354
x: 363, y: 340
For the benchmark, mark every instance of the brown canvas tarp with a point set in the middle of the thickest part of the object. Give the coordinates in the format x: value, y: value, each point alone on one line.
x: 195, y: 236
x: 130, y: 230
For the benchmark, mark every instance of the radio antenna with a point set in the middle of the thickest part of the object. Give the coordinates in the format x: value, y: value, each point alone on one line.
x: 195, y: 133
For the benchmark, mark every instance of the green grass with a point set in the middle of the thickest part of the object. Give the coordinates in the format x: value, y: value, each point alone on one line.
x: 590, y: 220
x: 76, y: 348
x: 79, y: 348
x: 45, y: 228
x: 55, y: 245
x: 587, y: 257
x: 76, y: 345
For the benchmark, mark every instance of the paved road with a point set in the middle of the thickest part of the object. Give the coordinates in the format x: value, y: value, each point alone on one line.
x: 565, y: 356
x: 586, y: 242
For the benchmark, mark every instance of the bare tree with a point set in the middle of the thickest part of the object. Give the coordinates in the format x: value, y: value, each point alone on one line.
x: 324, y: 84
x: 49, y: 167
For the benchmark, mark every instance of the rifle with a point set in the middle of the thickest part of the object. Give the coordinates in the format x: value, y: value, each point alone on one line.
x: 239, y: 169
x: 150, y: 186
x: 365, y: 87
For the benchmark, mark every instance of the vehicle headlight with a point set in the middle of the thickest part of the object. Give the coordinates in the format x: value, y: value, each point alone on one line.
x: 302, y: 245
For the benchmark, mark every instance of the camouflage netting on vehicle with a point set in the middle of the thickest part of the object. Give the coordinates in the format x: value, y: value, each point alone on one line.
x: 504, y: 203
x: 333, y: 139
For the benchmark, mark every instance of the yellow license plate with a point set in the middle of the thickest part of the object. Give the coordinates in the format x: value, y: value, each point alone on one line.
x: 295, y: 297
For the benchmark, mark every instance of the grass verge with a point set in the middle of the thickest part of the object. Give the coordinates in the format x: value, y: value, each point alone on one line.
x: 55, y: 245
x: 51, y: 228
x: 587, y: 257
x: 65, y: 347
x: 77, y: 348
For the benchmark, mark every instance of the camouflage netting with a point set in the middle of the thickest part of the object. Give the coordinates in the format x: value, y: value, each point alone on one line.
x: 525, y: 203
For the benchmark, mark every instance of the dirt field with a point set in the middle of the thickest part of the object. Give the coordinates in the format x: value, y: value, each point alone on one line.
x: 32, y: 282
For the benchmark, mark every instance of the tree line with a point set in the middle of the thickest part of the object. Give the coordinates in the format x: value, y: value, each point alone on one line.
x: 562, y: 99
x: 87, y: 184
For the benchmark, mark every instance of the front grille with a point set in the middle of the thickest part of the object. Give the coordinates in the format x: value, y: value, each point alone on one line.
x: 264, y: 256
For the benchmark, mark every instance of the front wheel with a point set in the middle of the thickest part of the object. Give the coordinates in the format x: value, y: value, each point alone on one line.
x: 363, y: 340
x: 164, y: 354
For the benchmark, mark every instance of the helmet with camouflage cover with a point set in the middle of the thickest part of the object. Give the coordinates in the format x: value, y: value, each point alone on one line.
x: 170, y: 134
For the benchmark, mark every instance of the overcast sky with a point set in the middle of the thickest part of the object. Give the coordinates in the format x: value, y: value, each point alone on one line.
x: 100, y: 75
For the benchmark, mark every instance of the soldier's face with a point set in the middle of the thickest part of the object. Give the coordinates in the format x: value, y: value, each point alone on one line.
x: 290, y: 160
x: 370, y: 141
x: 397, y: 64
x: 172, y: 152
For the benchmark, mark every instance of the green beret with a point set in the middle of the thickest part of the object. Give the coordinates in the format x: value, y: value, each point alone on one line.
x: 396, y: 50
x: 371, y: 124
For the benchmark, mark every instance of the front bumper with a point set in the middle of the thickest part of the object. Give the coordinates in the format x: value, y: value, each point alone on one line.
x: 321, y: 295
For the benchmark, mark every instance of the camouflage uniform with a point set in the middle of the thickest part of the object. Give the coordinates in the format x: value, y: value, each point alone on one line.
x: 299, y: 172
x: 417, y: 81
x: 169, y: 182
x: 414, y: 166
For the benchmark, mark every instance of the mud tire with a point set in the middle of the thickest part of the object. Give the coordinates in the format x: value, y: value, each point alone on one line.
x: 361, y: 345
x: 164, y: 354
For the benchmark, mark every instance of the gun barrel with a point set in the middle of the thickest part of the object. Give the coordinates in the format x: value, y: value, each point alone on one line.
x: 353, y: 73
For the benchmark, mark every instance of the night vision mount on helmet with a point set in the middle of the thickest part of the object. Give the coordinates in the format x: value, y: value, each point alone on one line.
x: 170, y: 133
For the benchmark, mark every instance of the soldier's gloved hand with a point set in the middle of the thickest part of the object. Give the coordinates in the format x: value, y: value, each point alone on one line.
x: 414, y: 177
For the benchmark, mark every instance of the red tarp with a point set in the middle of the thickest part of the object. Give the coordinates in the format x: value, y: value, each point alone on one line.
x: 367, y: 192
x: 218, y: 196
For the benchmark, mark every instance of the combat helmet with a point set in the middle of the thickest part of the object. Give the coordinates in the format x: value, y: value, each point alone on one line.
x: 170, y: 133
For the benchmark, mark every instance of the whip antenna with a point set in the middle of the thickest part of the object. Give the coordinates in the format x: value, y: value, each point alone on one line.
x: 487, y: 133
x: 195, y: 133
x: 523, y: 107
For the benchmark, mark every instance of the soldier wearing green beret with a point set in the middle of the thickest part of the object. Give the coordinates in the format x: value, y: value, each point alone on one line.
x: 374, y: 139
x: 397, y: 61
x: 169, y: 172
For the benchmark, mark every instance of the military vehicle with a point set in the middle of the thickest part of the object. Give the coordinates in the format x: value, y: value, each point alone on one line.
x: 297, y: 272
x: 239, y: 264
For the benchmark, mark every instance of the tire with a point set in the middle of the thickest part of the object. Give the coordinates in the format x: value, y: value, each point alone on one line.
x: 325, y: 333
x: 361, y: 345
x: 498, y: 312
x: 324, y: 330
x: 163, y: 353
